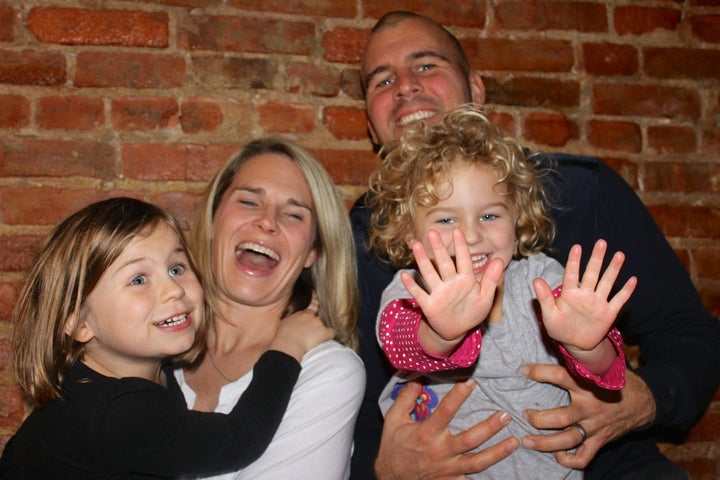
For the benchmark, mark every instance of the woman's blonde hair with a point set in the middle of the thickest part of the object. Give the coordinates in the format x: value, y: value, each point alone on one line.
x: 68, y: 267
x: 422, y: 160
x: 332, y: 276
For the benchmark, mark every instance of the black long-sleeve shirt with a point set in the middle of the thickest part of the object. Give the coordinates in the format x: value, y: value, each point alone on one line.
x: 131, y: 428
x: 677, y: 336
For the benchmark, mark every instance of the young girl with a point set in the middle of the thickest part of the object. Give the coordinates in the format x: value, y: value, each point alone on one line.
x: 467, y: 205
x: 112, y: 296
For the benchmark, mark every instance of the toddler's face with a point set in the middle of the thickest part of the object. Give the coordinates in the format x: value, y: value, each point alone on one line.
x: 474, y: 202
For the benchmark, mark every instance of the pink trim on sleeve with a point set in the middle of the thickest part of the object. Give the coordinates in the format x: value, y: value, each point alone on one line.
x: 398, y: 334
x: 614, y: 378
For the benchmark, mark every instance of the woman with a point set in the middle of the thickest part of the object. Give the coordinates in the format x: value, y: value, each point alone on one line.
x: 269, y: 231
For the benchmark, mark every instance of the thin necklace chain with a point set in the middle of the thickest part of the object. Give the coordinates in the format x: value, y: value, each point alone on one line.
x: 212, y: 360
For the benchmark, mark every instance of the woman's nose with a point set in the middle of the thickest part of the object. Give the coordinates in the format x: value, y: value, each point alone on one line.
x: 267, y: 220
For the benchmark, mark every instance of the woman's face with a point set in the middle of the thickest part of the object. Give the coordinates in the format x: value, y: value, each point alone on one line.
x: 263, y: 232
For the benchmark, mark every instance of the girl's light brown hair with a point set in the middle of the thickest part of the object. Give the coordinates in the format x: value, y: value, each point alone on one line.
x: 68, y: 267
x: 422, y: 160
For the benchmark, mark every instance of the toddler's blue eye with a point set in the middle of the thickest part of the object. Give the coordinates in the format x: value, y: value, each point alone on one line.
x: 177, y: 270
x: 138, y: 280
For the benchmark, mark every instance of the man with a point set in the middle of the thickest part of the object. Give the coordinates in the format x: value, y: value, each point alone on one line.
x: 415, y: 70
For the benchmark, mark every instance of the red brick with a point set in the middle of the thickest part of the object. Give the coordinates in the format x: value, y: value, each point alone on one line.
x: 246, y: 34
x: 286, y: 117
x: 346, y: 123
x: 351, y: 85
x: 199, y: 114
x: 311, y: 79
x: 144, y: 113
x: 75, y: 26
x: 707, y: 265
x: 711, y: 300
x: 8, y: 298
x: 504, y: 122
x: 17, y: 254
x: 710, y: 142
x: 549, y: 129
x: 551, y: 15
x: 12, y: 406
x: 132, y: 70
x: 634, y: 20
x: 672, y: 139
x: 234, y: 73
x: 348, y: 167
x: 693, y: 64
x: 709, y: 426
x: 619, y: 136
x: 682, y: 177
x: 174, y: 162
x: 503, y: 54
x: 706, y: 27
x: 180, y: 204
x: 56, y: 158
x: 7, y: 23
x: 344, y: 44
x: 646, y: 101
x: 29, y: 67
x: 625, y: 168
x: 610, y: 59
x: 461, y: 13
x: 47, y: 205
x: 318, y: 8
x: 686, y: 221
x: 70, y: 113
x: 14, y: 111
x: 532, y: 92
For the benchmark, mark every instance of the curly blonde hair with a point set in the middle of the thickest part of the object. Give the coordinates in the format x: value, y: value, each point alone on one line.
x: 422, y: 160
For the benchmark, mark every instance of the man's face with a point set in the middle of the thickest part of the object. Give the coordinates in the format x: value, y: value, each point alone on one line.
x: 411, y: 71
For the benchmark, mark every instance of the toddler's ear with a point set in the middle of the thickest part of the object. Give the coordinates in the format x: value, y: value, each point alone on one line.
x: 409, y: 240
x: 80, y: 333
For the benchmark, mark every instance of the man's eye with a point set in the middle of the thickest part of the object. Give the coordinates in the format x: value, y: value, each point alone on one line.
x: 176, y: 270
x: 426, y: 67
x: 138, y: 280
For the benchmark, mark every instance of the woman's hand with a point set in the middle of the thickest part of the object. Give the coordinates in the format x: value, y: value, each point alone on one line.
x: 301, y: 331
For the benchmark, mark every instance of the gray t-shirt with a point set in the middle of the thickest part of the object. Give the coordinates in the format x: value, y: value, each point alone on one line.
x: 507, y: 346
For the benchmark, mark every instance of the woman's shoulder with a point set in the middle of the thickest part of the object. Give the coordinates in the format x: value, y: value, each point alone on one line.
x: 331, y: 360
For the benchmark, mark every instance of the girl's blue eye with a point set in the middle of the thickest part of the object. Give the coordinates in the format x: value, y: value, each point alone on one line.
x: 487, y: 217
x: 176, y: 270
x: 138, y: 280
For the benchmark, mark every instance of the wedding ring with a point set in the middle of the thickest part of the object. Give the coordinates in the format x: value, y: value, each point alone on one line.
x: 583, y: 432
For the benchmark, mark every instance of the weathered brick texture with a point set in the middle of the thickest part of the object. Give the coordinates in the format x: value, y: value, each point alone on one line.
x: 149, y: 98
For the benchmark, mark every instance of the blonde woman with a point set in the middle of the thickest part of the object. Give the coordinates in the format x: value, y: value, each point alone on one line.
x: 270, y: 230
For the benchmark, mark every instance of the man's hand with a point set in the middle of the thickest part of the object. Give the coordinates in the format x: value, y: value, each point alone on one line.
x: 605, y: 415
x: 427, y: 450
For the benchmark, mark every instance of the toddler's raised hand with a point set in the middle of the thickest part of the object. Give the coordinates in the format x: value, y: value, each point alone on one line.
x: 582, y: 316
x: 455, y: 301
x: 301, y: 331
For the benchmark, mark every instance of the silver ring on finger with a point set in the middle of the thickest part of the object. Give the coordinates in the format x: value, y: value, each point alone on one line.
x: 583, y: 432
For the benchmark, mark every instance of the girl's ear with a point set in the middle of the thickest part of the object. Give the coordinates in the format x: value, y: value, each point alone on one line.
x: 81, y: 333
x: 409, y: 240
x: 312, y: 256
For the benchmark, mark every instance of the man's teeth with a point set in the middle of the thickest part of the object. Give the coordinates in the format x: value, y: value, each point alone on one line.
x: 254, y: 247
x: 414, y: 117
x: 171, y: 322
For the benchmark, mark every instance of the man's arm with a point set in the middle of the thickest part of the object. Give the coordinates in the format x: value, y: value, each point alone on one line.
x: 679, y: 359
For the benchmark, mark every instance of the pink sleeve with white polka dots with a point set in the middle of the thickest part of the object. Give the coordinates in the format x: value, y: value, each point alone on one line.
x: 398, y: 333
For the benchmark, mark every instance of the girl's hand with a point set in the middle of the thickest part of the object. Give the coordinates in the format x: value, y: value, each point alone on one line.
x: 582, y: 316
x: 301, y: 331
x: 456, y: 301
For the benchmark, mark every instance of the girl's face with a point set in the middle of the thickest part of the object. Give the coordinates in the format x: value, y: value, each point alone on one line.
x: 145, y: 307
x: 263, y: 232
x: 478, y: 206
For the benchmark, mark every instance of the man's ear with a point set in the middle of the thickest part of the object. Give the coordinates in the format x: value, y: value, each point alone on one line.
x: 373, y: 135
x: 80, y: 333
x: 477, y: 89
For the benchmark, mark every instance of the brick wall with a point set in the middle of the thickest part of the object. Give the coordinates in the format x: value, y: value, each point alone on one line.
x: 149, y: 98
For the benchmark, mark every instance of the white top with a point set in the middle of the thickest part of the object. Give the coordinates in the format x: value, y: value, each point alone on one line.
x: 315, y: 437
